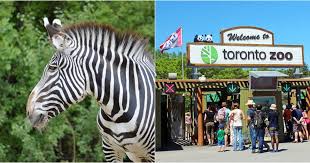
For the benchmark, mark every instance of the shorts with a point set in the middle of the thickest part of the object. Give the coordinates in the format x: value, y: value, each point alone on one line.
x: 210, y: 127
x: 220, y: 143
x: 297, y: 127
x: 273, y: 131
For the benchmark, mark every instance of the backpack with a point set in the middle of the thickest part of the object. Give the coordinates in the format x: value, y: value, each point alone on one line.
x: 259, y: 119
x: 221, y: 115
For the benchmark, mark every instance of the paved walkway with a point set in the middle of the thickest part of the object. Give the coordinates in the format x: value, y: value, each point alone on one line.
x: 289, y: 152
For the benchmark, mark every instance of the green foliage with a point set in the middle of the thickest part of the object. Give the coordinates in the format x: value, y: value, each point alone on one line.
x: 170, y: 63
x: 25, y: 50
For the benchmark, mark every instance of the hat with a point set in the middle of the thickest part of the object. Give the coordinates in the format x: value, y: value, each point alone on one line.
x: 273, y: 106
x: 250, y: 102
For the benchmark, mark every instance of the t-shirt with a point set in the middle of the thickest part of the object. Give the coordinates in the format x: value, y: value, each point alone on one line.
x: 237, y: 117
x: 209, y: 116
x: 251, y: 114
x: 220, y: 135
x: 273, y: 118
x: 287, y: 114
x: 297, y: 114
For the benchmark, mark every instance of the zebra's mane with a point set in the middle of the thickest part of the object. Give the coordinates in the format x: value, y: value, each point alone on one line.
x: 120, y: 36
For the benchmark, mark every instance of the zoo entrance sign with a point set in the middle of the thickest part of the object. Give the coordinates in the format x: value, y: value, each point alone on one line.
x: 245, y: 47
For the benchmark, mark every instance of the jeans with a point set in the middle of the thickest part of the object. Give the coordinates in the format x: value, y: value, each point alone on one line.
x: 238, y: 139
x: 260, y: 137
x: 253, y: 136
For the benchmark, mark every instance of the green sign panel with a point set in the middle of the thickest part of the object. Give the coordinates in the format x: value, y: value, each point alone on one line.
x: 286, y: 87
x: 232, y: 88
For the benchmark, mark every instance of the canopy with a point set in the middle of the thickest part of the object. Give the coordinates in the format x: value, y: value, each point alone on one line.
x: 258, y: 74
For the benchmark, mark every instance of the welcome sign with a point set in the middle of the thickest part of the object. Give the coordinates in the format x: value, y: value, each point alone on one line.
x: 245, y: 55
x: 247, y: 35
x: 245, y: 47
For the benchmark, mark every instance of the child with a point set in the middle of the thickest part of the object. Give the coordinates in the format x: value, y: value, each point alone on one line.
x: 220, y: 138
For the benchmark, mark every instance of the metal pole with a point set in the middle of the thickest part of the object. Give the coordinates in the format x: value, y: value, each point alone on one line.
x: 182, y: 65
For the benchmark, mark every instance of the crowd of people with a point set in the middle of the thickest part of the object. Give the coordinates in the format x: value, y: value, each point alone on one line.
x: 224, y: 125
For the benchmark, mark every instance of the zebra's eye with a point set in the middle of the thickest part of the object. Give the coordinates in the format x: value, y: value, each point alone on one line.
x: 52, y: 67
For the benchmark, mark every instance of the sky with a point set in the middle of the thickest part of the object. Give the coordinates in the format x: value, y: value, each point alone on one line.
x: 289, y: 21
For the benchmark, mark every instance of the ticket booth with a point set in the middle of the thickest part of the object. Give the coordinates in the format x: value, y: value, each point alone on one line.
x: 264, y: 90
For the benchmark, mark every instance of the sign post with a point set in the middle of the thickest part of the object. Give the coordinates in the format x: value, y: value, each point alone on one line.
x: 245, y: 46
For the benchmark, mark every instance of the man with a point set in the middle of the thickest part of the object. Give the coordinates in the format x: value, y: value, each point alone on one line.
x: 223, y: 118
x: 273, y: 127
x: 297, y: 124
x: 260, y: 127
x: 250, y: 117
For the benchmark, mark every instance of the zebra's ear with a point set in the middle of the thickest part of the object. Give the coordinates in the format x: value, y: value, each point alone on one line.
x: 59, y: 39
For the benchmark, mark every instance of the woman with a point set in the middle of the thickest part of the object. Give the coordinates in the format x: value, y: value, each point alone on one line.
x: 237, y: 116
x: 209, y: 119
x: 305, y: 123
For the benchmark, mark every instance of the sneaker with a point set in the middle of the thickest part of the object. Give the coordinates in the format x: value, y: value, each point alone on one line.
x: 253, y: 151
x: 260, y: 151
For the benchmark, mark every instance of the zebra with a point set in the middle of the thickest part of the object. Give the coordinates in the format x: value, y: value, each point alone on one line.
x: 113, y: 67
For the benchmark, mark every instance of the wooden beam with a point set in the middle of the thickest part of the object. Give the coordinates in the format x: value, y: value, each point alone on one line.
x: 200, y: 116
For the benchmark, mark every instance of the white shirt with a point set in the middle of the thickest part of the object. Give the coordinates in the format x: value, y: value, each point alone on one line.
x: 237, y: 117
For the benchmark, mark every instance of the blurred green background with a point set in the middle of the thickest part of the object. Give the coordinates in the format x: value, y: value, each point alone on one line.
x: 25, y: 50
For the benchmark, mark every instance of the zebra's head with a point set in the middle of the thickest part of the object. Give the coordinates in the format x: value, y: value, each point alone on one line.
x: 62, y: 82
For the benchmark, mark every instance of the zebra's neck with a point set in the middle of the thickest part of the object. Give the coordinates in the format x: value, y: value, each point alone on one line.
x: 113, y: 67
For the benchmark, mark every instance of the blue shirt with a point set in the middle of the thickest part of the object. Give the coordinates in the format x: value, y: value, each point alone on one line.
x: 251, y: 114
x: 273, y: 119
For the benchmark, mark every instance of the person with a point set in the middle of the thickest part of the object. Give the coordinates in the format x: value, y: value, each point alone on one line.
x: 260, y: 125
x: 188, y: 125
x: 237, y: 116
x: 209, y: 119
x: 220, y: 138
x: 250, y: 118
x: 231, y: 129
x: 265, y: 109
x: 287, y: 115
x: 223, y: 118
x: 273, y: 127
x: 305, y: 123
x: 297, y: 126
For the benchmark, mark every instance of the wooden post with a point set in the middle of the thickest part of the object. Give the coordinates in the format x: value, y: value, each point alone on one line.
x: 200, y: 116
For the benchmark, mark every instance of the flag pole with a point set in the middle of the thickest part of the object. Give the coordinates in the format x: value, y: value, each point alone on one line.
x: 182, y: 54
x: 182, y: 63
